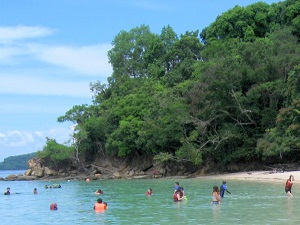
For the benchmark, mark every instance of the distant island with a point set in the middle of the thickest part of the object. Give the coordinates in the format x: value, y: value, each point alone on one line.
x: 18, y: 162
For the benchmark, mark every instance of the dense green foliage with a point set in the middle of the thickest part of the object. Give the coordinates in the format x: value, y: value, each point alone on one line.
x: 56, y: 155
x: 18, y: 162
x: 229, y: 95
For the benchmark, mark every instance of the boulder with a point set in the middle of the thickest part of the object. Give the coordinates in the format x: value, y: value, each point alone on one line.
x: 39, y: 172
x: 11, y: 177
x: 28, y: 172
x: 97, y: 175
x: 27, y: 178
x: 117, y: 175
x: 34, y: 163
x: 49, y: 172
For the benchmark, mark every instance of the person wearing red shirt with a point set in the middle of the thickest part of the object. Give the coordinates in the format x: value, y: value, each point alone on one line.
x: 289, y: 184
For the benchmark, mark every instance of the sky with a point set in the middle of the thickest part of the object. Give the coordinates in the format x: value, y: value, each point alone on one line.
x: 51, y: 50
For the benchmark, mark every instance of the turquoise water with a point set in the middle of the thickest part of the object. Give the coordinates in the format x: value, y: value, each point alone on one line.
x: 249, y: 203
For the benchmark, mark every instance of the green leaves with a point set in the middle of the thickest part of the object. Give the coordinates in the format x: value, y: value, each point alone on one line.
x: 56, y: 154
x: 232, y: 98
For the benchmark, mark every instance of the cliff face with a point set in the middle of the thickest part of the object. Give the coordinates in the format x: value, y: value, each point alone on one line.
x: 110, y: 168
x: 131, y: 168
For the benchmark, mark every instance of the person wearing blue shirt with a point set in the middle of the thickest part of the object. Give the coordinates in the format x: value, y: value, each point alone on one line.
x: 176, y: 187
x: 223, y: 188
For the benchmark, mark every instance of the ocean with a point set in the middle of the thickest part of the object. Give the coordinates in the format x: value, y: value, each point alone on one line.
x: 250, y: 202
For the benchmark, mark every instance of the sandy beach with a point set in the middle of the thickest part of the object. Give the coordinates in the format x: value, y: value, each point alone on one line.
x: 258, y: 176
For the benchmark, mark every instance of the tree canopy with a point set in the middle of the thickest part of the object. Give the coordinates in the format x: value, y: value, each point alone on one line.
x: 227, y: 94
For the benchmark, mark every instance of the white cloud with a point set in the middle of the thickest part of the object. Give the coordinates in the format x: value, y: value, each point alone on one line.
x: 16, y: 138
x: 41, y: 85
x: 16, y: 142
x: 35, y: 68
x: 83, y: 60
x: 7, y: 53
x: 90, y: 60
x: 9, y: 34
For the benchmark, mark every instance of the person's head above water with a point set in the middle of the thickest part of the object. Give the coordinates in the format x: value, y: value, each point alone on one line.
x: 99, y: 200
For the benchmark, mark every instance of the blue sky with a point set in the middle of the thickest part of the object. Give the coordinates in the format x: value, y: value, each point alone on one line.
x: 50, y: 50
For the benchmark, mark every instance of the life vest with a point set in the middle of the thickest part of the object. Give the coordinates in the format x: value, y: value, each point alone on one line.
x: 99, y: 207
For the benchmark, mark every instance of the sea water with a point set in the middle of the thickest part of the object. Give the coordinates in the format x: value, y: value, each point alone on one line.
x: 250, y: 202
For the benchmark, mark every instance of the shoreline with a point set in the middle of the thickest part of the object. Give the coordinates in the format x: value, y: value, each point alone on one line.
x: 269, y: 176
x: 256, y: 176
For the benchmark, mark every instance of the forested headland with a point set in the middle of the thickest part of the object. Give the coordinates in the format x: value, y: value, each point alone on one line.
x: 226, y: 95
x: 18, y: 162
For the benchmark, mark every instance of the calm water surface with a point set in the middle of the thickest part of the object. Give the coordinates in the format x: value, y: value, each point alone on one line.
x: 249, y: 203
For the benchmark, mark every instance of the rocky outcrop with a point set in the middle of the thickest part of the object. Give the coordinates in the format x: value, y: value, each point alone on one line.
x: 106, y: 168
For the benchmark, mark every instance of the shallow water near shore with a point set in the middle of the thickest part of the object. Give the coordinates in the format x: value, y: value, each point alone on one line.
x: 250, y: 203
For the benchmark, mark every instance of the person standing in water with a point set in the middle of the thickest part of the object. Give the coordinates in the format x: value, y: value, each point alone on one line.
x: 178, y: 196
x: 223, y: 188
x: 216, y: 195
x: 100, y: 205
x: 289, y: 184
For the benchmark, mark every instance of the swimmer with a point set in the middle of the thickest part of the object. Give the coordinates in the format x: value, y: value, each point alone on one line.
x: 178, y: 196
x: 7, y: 192
x: 87, y: 180
x: 99, y: 192
x: 216, y: 195
x: 149, y: 192
x: 176, y: 187
x: 35, y: 191
x: 53, y: 206
x: 100, y: 205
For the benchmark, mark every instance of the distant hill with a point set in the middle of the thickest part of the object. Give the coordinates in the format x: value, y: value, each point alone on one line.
x: 18, y: 162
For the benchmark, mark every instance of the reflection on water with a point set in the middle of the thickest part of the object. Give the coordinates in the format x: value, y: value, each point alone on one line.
x: 216, y: 213
x: 249, y: 203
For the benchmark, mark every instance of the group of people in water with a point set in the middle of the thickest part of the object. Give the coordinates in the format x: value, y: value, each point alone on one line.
x: 178, y: 194
x: 217, y: 193
x: 53, y: 186
x: 7, y: 191
x: 100, y: 205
